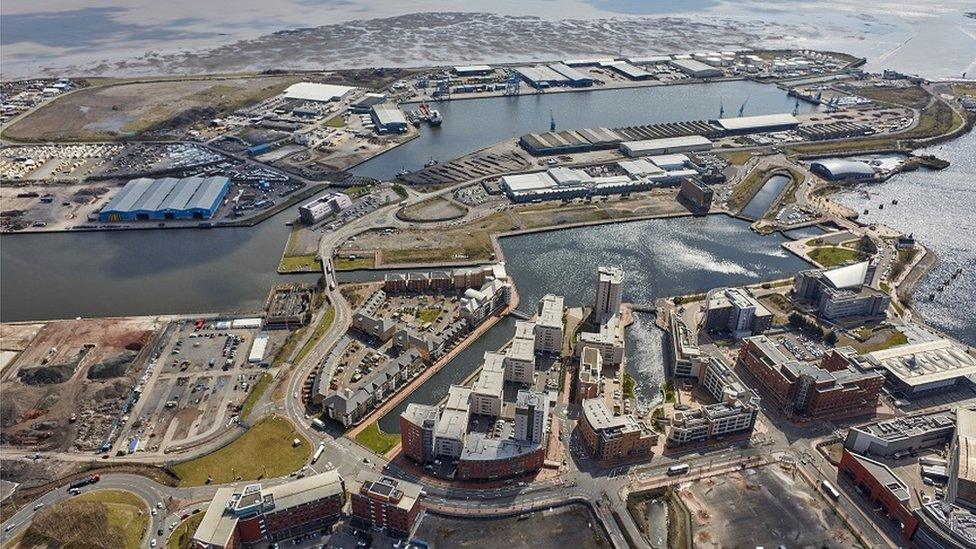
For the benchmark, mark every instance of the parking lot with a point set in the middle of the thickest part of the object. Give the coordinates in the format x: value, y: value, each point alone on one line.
x: 201, y: 377
x: 800, y: 346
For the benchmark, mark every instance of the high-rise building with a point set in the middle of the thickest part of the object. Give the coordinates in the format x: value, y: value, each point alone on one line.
x: 531, y: 416
x: 609, y: 289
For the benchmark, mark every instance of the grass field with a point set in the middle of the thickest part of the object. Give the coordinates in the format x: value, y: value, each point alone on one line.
x: 121, y: 110
x: 338, y: 121
x: 737, y: 158
x: 320, y: 329
x: 376, y: 440
x: 347, y: 264
x: 182, y: 536
x: 831, y: 256
x: 429, y: 314
x: 887, y: 339
x: 98, y: 519
x: 259, y: 388
x: 264, y: 451
x: 746, y: 189
x: 291, y: 264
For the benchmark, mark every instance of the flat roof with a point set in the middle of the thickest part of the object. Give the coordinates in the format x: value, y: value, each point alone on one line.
x: 528, y: 181
x: 758, y: 122
x: 667, y: 142
x: 926, y: 362
x: 311, y: 91
x: 472, y: 68
x: 478, y: 447
x: 216, y: 528
x: 387, y: 487
x: 691, y: 65
x: 305, y: 490
x: 885, y: 476
x: 551, y: 311
x: 522, y: 349
x: 599, y: 416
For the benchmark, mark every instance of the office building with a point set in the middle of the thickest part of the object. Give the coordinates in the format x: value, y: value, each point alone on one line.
x: 610, y: 437
x: 531, y: 416
x: 322, y: 207
x: 609, y: 293
x: 417, y: 424
x: 549, y: 324
x: 239, y: 517
x: 840, y: 292
x: 900, y: 436
x: 882, y: 487
x: 735, y: 411
x: 736, y: 312
x: 384, y: 503
x: 589, y: 380
x: 168, y: 198
x: 836, y: 387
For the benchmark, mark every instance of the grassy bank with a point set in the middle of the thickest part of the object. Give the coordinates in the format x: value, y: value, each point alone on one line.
x: 320, y: 329
x: 832, y: 256
x: 256, y: 392
x: 100, y: 518
x: 182, y: 536
x: 264, y: 451
x: 376, y: 440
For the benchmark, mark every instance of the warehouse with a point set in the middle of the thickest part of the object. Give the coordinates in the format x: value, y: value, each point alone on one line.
x: 322, y: 207
x: 576, y: 78
x: 146, y: 199
x: 388, y: 118
x: 628, y: 70
x: 541, y: 76
x: 758, y: 124
x: 309, y: 91
x: 473, y: 70
x: 669, y: 145
x: 696, y: 69
x: 842, y: 170
x: 367, y: 102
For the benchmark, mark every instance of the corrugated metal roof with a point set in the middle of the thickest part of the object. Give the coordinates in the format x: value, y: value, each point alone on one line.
x: 181, y: 194
x: 210, y: 190
x: 570, y: 72
x: 128, y: 196
x: 155, y: 194
x: 758, y: 122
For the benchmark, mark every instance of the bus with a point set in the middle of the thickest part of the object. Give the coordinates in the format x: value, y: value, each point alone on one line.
x: 829, y: 489
x: 679, y: 469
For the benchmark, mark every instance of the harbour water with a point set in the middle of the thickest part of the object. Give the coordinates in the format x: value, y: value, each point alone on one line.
x: 770, y: 190
x: 937, y: 208
x: 187, y: 271
x: 660, y: 257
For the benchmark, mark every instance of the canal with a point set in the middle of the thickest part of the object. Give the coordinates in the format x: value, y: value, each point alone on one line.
x: 770, y: 190
x: 660, y: 257
x: 165, y: 271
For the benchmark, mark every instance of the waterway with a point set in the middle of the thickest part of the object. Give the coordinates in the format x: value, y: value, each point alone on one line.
x: 660, y: 257
x: 169, y: 271
x: 937, y: 208
x: 763, y: 199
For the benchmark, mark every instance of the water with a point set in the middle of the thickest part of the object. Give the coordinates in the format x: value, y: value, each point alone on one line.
x: 474, y: 124
x: 660, y: 257
x: 937, y: 207
x: 186, y: 271
x: 770, y: 190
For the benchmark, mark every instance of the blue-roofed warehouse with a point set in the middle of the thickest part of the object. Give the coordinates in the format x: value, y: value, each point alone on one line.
x: 167, y: 198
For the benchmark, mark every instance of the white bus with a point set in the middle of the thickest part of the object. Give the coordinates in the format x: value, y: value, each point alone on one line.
x: 679, y: 469
x: 829, y: 489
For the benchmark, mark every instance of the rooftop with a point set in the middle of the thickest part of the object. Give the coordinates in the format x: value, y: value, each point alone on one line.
x: 551, y: 311
x: 758, y: 122
x: 309, y: 91
x: 884, y: 475
x: 478, y: 447
x: 926, y: 362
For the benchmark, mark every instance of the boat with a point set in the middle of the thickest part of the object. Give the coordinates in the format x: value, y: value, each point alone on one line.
x: 881, y: 206
x: 894, y: 202
x: 430, y: 162
x: 403, y: 172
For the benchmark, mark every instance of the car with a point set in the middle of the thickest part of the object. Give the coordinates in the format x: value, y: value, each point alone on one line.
x: 159, y: 505
x: 9, y: 527
x: 174, y: 524
x: 38, y: 506
x: 160, y: 532
x: 152, y: 542
x: 153, y: 512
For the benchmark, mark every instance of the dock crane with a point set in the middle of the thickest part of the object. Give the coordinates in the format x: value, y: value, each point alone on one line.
x: 796, y: 107
x: 743, y: 107
x: 721, y: 108
x: 552, y: 122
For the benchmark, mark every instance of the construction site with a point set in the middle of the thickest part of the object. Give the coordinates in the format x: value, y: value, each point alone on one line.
x: 72, y: 380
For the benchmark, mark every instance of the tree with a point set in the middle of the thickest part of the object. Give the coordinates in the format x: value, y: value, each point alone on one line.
x: 831, y: 338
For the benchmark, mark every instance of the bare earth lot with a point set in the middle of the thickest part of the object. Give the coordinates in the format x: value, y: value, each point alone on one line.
x: 565, y: 527
x: 123, y: 110
x: 762, y: 507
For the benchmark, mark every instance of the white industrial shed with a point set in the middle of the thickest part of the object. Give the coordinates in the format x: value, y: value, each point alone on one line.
x: 310, y: 91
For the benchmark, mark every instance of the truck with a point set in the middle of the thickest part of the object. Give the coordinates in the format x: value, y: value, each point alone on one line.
x: 318, y: 424
x: 679, y: 469
x: 80, y: 483
x: 318, y: 452
x: 829, y: 489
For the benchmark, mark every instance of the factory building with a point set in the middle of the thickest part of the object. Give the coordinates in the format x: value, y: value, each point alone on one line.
x: 310, y: 91
x: 667, y: 145
x: 610, y: 437
x: 842, y: 170
x: 246, y: 517
x: 695, y: 195
x: 925, y: 366
x: 696, y: 69
x: 322, y: 207
x: 386, y: 504
x: 629, y: 71
x: 573, y: 77
x: 366, y: 102
x: 146, y: 199
x: 840, y: 292
x: 560, y: 183
x: 758, y: 124
x: 838, y: 386
x: 388, y: 118
x: 735, y: 311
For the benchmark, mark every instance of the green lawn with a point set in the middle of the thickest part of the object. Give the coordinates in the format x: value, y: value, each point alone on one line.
x: 737, y: 158
x: 182, y: 536
x: 252, y: 398
x: 264, y: 451
x: 299, y: 264
x: 320, y: 329
x: 338, y: 121
x: 126, y: 511
x: 376, y: 440
x: 831, y: 256
x: 429, y: 314
x: 347, y: 264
